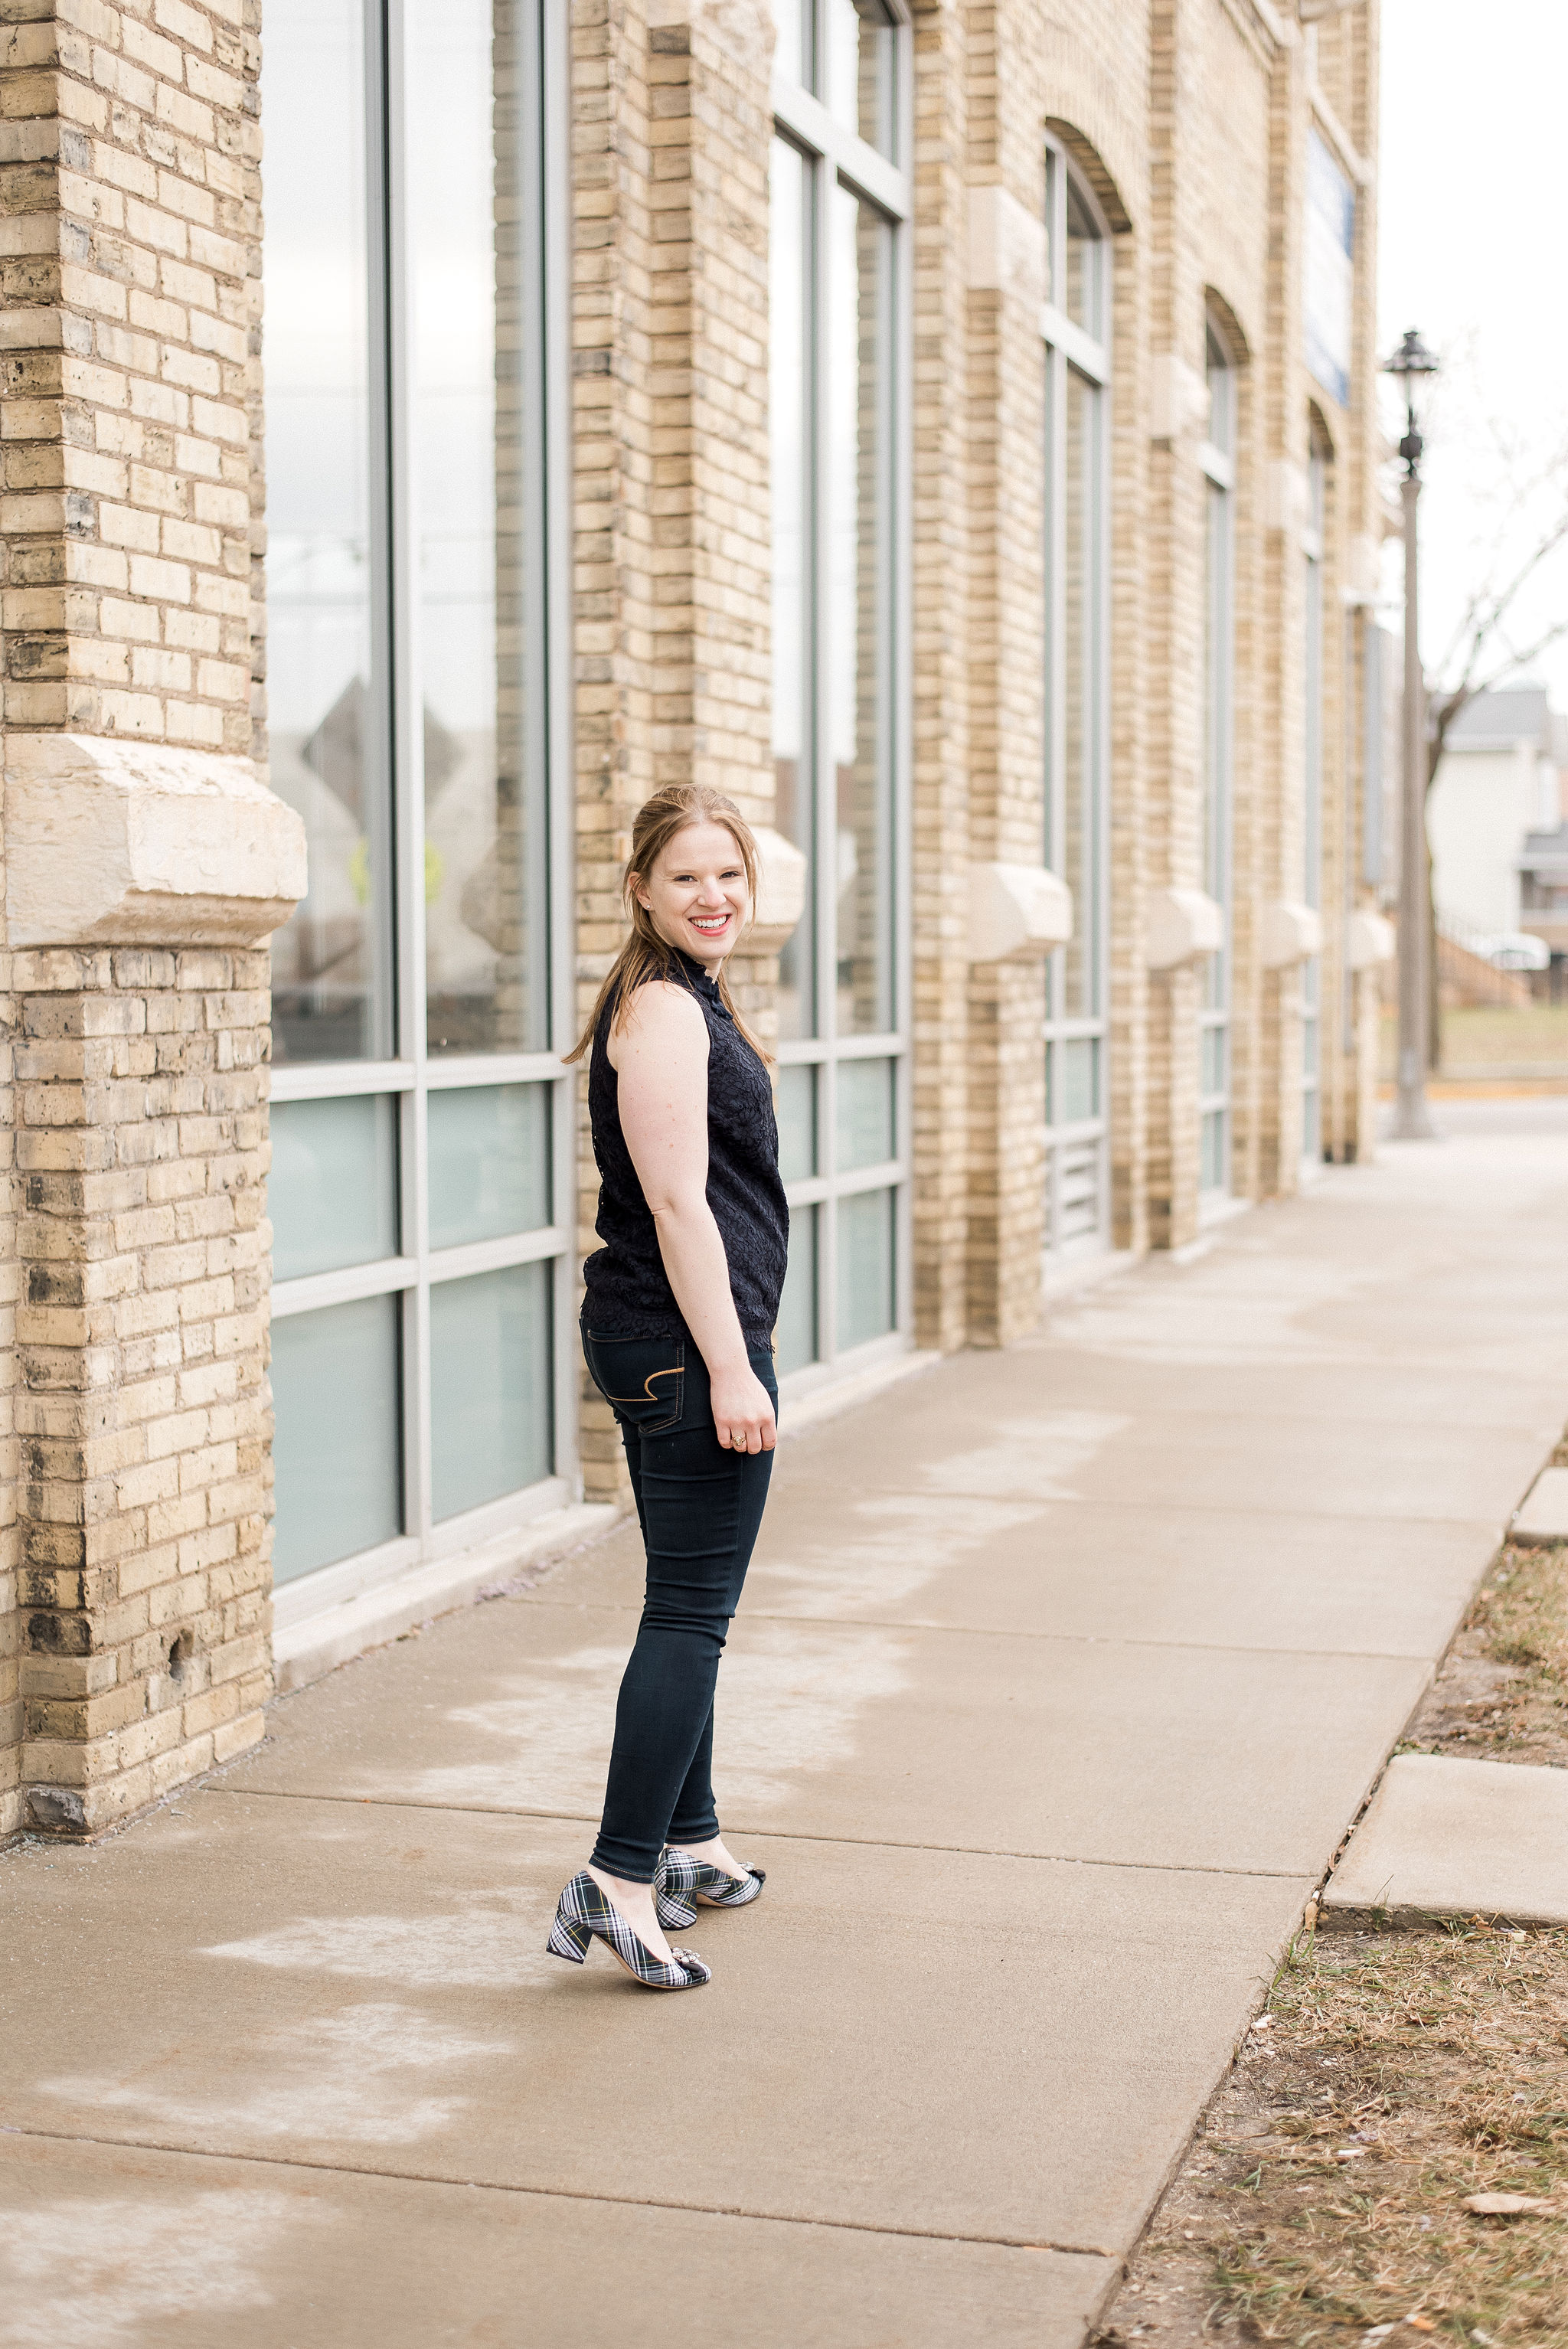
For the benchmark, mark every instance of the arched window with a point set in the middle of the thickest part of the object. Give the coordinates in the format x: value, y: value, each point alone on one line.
x: 838, y: 337
x: 1076, y: 328
x: 1219, y: 462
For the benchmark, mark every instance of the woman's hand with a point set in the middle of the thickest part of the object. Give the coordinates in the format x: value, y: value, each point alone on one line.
x: 742, y: 1410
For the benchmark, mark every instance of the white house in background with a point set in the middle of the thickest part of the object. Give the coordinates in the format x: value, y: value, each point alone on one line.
x: 1499, y: 779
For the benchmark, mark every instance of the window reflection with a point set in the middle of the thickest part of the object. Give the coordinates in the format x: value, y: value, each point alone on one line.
x: 1219, y: 627
x: 488, y: 1162
x: 792, y: 766
x: 475, y: 352
x: 859, y: 55
x: 865, y: 1298
x: 1079, y: 619
x: 1084, y: 273
x: 795, y: 1332
x: 1221, y: 393
x: 797, y: 1123
x: 332, y: 1190
x: 865, y: 1114
x: 790, y: 27
x: 327, y: 753
x: 859, y: 615
x: 336, y: 1450
x: 490, y: 1403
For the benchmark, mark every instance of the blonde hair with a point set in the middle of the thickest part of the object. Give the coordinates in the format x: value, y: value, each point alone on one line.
x: 646, y: 954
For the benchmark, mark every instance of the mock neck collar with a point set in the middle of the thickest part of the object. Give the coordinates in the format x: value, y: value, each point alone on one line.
x: 696, y: 974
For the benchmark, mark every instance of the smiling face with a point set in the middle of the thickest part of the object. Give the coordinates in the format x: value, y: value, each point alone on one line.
x: 696, y: 893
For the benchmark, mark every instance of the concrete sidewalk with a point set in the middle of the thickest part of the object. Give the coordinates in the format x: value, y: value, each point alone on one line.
x: 1060, y: 1674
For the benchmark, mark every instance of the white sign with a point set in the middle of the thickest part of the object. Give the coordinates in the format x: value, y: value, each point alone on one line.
x: 1329, y: 290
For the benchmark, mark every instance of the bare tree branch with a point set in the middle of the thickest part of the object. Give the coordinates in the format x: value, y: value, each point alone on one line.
x: 1483, y: 616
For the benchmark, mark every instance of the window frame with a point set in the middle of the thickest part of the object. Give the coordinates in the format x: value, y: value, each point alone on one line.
x: 1315, y: 653
x: 409, y: 1073
x: 1069, y: 349
x: 1217, y: 461
x: 834, y: 156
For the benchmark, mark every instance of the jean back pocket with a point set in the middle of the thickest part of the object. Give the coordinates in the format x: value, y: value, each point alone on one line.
x: 642, y: 1380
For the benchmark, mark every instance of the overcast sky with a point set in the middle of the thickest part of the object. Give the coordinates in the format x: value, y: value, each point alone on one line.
x: 1474, y: 201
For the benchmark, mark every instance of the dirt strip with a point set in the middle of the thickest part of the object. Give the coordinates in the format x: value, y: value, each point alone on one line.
x: 1393, y: 2077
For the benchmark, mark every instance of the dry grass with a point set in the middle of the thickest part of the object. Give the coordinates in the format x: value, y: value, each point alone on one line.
x: 1322, y: 2201
x: 1323, y: 2196
x: 1502, y: 1693
x: 1474, y: 1040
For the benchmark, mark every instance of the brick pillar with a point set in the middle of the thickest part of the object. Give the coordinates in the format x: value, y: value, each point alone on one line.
x: 940, y: 679
x: 669, y: 332
x: 1131, y: 989
x: 611, y: 552
x: 1174, y: 570
x: 1008, y: 279
x: 146, y: 864
x: 1276, y: 809
x: 710, y: 121
x: 145, y: 1577
x: 10, y: 1621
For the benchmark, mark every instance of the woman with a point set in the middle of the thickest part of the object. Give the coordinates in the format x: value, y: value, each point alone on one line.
x: 677, y: 1331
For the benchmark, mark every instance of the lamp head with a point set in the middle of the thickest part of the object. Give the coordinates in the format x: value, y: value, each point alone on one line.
x: 1409, y: 363
x: 1412, y: 358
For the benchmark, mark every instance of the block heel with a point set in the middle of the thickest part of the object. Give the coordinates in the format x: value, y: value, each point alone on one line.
x: 584, y: 1913
x: 569, y: 1940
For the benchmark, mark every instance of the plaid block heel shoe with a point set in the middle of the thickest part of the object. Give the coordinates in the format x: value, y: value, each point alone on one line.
x: 583, y: 1911
x: 682, y: 1882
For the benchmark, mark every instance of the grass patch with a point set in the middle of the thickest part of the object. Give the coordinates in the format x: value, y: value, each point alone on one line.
x: 1324, y: 2196
x: 1475, y: 1040
x: 1502, y: 1693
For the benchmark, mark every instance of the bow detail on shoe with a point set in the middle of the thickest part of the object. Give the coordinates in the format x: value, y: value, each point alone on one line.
x: 585, y: 1911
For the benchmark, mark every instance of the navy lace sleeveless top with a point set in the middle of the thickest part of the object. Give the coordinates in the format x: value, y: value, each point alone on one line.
x: 628, y: 1292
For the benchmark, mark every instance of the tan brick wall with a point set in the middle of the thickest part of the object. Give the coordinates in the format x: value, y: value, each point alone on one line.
x: 130, y: 387
x: 144, y: 1581
x: 10, y: 1621
x: 941, y: 683
x: 128, y: 148
x: 672, y: 571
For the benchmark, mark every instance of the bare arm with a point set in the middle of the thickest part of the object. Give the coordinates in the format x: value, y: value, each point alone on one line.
x: 660, y: 1058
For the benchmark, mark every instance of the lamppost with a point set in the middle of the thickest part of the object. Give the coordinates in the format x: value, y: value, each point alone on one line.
x: 1411, y: 1123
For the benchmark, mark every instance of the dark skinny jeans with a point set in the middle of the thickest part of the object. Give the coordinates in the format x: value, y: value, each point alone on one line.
x: 699, y: 1506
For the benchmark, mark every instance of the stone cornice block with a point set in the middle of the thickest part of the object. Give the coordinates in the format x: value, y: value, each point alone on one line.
x: 1177, y: 397
x: 1184, y: 926
x: 1009, y: 251
x: 1017, y: 913
x: 110, y: 841
x: 1288, y: 933
x: 1368, y: 940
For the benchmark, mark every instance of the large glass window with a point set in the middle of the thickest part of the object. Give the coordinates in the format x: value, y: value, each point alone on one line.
x: 1219, y: 457
x: 326, y: 551
x: 1074, y: 321
x: 839, y: 337
x: 1312, y: 806
x: 419, y: 1271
